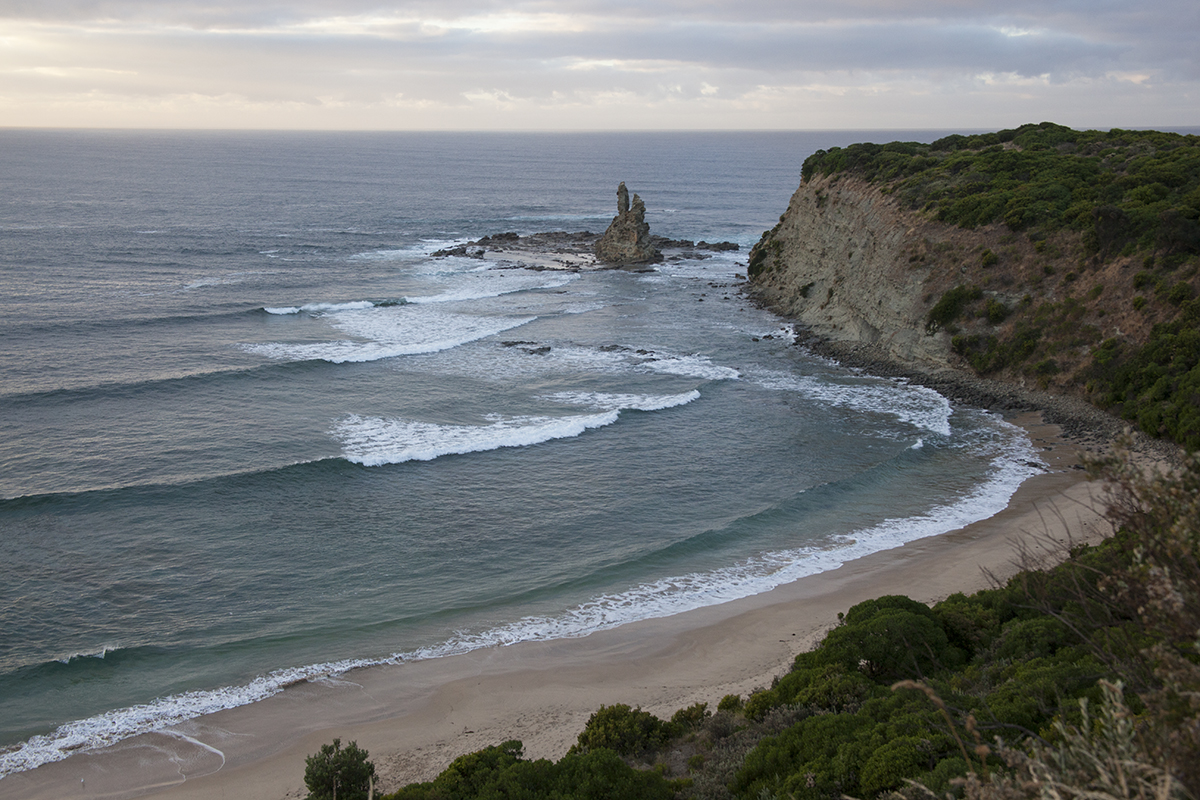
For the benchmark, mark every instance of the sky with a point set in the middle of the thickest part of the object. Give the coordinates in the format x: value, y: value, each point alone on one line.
x: 599, y: 64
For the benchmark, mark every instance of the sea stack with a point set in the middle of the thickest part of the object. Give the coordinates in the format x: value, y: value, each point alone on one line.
x: 627, y: 240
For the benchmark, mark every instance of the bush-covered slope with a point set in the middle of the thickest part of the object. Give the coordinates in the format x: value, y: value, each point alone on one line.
x: 1123, y: 190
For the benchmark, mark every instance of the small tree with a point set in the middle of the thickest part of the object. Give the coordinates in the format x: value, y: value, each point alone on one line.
x: 337, y: 774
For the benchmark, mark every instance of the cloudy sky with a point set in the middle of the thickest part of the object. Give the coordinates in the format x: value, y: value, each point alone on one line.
x: 599, y: 64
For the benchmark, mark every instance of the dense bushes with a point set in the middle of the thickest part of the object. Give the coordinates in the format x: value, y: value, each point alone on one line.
x: 624, y: 730
x: 501, y: 772
x: 1121, y: 189
x: 1156, y: 385
x: 862, y: 738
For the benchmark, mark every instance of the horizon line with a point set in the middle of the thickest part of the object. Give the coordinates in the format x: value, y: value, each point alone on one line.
x: 172, y: 129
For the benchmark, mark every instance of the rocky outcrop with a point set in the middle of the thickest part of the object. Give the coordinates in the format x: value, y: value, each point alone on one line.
x: 839, y: 262
x: 627, y: 240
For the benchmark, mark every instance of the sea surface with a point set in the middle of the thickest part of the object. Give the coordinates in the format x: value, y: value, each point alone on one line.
x: 252, y: 432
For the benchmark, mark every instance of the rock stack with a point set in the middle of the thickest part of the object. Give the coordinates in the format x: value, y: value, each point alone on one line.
x: 627, y: 240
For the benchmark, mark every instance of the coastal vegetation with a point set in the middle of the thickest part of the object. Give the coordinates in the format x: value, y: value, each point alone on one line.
x: 1065, y: 258
x: 1123, y: 190
x: 335, y: 772
x: 1078, y: 680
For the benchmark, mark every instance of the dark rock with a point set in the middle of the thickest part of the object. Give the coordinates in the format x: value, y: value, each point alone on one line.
x: 627, y: 240
x: 662, y: 243
x: 469, y: 250
x: 500, y: 238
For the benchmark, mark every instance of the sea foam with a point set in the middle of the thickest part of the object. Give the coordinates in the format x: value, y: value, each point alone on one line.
x: 391, y: 331
x: 692, y: 367
x: 917, y: 405
x: 494, y: 283
x: 316, y: 308
x: 621, y: 401
x: 375, y: 441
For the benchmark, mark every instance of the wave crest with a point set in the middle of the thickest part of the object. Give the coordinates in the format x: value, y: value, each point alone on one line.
x: 375, y: 441
x: 391, y: 331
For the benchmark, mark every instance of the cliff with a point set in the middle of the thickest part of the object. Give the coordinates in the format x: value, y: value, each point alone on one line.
x: 1041, y: 258
x: 838, y: 263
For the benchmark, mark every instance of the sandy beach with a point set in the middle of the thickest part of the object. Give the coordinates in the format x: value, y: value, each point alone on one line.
x: 415, y: 718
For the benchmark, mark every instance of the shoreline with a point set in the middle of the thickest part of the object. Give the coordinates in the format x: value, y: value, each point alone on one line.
x: 415, y: 718
x: 1089, y: 427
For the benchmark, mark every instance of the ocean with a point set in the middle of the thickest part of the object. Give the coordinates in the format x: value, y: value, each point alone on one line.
x: 252, y: 431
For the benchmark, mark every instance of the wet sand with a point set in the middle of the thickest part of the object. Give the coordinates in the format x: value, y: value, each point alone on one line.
x: 415, y: 718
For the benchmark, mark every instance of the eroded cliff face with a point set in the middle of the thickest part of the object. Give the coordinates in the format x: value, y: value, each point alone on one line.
x: 845, y: 262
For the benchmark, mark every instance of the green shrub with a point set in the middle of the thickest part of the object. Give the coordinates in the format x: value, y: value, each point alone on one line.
x: 988, y: 259
x: 814, y: 683
x: 1046, y: 367
x: 893, y: 762
x: 730, y: 702
x: 690, y: 718
x: 1180, y: 293
x: 1032, y: 638
x: 501, y: 772
x: 969, y: 624
x: 1144, y: 279
x: 950, y: 306
x: 624, y: 730
x: 989, y: 353
x: 890, y: 638
x: 336, y: 772
x: 996, y: 311
x: 1157, y: 385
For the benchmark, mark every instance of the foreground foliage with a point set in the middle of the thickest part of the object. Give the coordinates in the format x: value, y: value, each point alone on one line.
x: 1078, y: 682
x: 502, y: 772
x: 335, y: 772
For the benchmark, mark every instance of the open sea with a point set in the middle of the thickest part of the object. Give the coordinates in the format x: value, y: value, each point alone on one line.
x: 251, y: 432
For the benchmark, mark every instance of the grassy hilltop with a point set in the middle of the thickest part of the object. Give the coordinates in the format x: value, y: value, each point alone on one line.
x: 1082, y: 264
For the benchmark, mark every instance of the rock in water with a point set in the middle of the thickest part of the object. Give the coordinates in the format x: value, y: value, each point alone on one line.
x: 627, y: 240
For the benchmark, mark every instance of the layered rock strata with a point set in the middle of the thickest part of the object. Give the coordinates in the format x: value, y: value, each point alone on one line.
x: 838, y: 262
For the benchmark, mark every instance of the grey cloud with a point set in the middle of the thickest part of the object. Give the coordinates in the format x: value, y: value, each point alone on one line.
x: 911, y: 33
x: 539, y: 64
x: 660, y: 50
x: 822, y: 48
